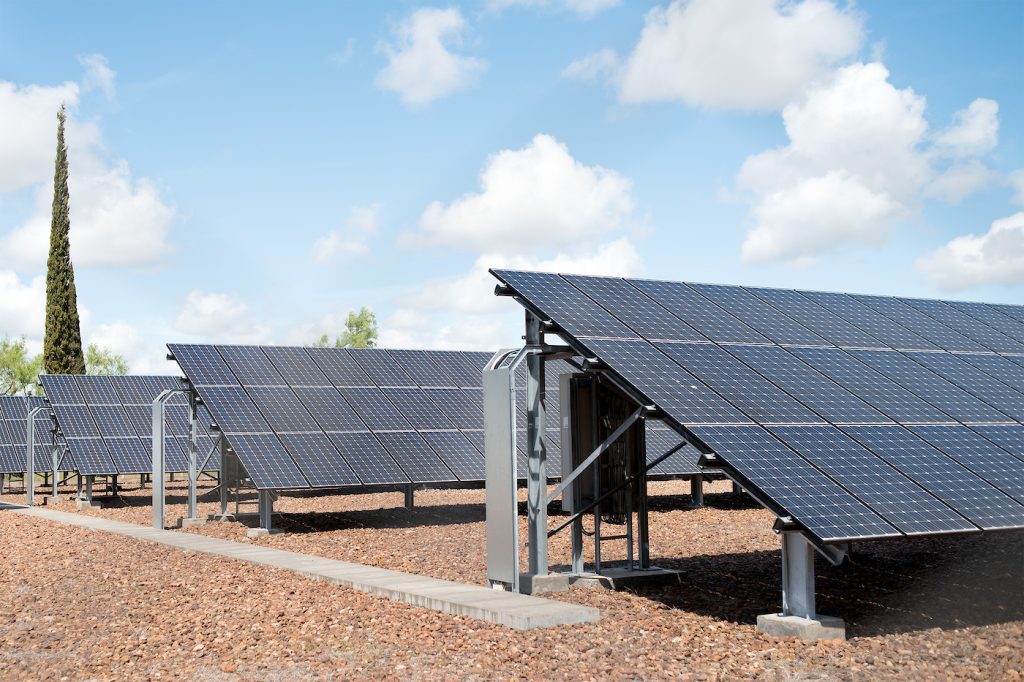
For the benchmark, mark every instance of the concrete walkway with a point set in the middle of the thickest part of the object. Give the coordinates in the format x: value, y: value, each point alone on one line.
x: 519, y: 611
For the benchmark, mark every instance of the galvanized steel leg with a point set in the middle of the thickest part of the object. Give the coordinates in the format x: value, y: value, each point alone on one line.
x: 30, y: 463
x: 536, y: 474
x: 158, y: 461
x: 55, y: 461
x: 88, y: 488
x: 193, y: 465
x: 409, y: 494
x: 224, y: 477
x: 697, y: 491
x: 266, y: 509
x: 797, y: 576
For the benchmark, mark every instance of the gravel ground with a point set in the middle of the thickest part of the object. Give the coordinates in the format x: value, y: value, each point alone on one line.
x: 79, y: 604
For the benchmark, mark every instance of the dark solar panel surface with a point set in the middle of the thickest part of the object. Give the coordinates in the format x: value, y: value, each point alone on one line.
x: 14, y: 412
x: 779, y: 365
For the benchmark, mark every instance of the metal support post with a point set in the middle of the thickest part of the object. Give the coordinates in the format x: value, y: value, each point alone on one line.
x: 536, y: 475
x: 30, y: 457
x: 88, y: 488
x: 78, y: 486
x: 223, y: 476
x: 113, y: 485
x: 55, y: 464
x: 797, y: 576
x: 158, y: 459
x: 409, y: 493
x: 266, y: 509
x: 193, y: 469
x: 3, y: 481
x: 696, y: 491
x: 736, y: 489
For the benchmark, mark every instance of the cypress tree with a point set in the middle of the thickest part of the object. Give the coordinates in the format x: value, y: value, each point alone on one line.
x: 62, y: 344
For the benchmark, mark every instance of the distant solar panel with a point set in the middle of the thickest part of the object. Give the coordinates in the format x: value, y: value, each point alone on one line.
x: 970, y: 327
x: 699, y: 312
x: 819, y: 320
x: 759, y: 315
x: 921, y: 324
x: 889, y: 332
x: 14, y: 412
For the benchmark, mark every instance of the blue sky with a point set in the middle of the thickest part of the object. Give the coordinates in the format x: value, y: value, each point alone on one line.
x: 249, y: 172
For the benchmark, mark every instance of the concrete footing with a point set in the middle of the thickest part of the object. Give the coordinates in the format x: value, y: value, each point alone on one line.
x: 223, y: 517
x: 620, y: 578
x: 86, y: 504
x: 539, y: 584
x: 822, y: 627
x: 254, y: 533
x: 191, y: 522
x: 50, y: 500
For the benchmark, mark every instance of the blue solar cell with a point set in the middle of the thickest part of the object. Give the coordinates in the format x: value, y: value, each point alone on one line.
x: 251, y: 366
x: 203, y: 365
x: 633, y: 307
x: 91, y: 456
x: 339, y: 366
x: 129, y: 455
x: 376, y: 411
x: 112, y: 421
x: 424, y: 371
x: 465, y: 369
x: 295, y: 366
x: 559, y: 300
x: 919, y: 323
x: 812, y: 388
x: 872, y: 322
x: 890, y: 493
x: 76, y: 421
x: 382, y: 369
x: 282, y: 409
x: 373, y: 464
x: 266, y: 461
x: 97, y: 390
x: 1014, y: 311
x: 757, y: 314
x: 458, y: 453
x: 958, y: 487
x: 329, y: 409
x: 755, y: 396
x: 980, y: 455
x: 61, y: 389
x: 664, y: 382
x: 414, y: 404
x: 697, y: 311
x: 133, y: 390
x: 974, y: 381
x: 966, y: 325
x: 993, y: 317
x: 319, y: 460
x: 1009, y: 437
x: 998, y: 366
x: 819, y: 320
x: 461, y: 406
x: 681, y: 463
x: 824, y: 508
x: 234, y: 410
x: 944, y: 395
x: 887, y: 396
x: 416, y: 458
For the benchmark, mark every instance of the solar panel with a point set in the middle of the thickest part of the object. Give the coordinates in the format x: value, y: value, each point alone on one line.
x: 463, y: 407
x: 135, y: 390
x: 887, y: 331
x: 819, y: 320
x: 1004, y: 369
x: 329, y: 409
x: 251, y: 366
x: 282, y: 409
x: 375, y: 409
x: 825, y: 509
x: 575, y: 312
x: 993, y: 317
x: 977, y: 500
x: 98, y: 391
x: 76, y: 421
x: 129, y: 455
x: 414, y: 404
x: 461, y: 367
x: 696, y: 310
x: 369, y: 459
x: 760, y: 316
x: 61, y: 389
x: 980, y: 455
x: 887, y: 396
x: 949, y: 398
x: 382, y: 368
x: 898, y: 499
x: 1009, y: 437
x: 815, y: 390
x: 458, y: 453
x: 112, y: 421
x: 754, y: 395
x: 319, y: 460
x: 968, y: 377
x: 235, y: 412
x: 636, y: 309
x: 339, y: 366
x: 1014, y: 311
x: 680, y: 463
x: 664, y: 382
x: 416, y: 458
x: 203, y: 365
x: 421, y: 369
x: 261, y: 454
x: 14, y: 436
x: 966, y: 325
x: 296, y: 366
x: 919, y: 323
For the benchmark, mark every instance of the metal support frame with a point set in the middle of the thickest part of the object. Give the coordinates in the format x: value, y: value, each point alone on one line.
x: 193, y: 465
x: 30, y: 456
x: 159, y: 442
x: 222, y: 475
x: 797, y: 576
x: 410, y: 491
x: 536, y: 467
x: 697, y: 491
x: 266, y: 509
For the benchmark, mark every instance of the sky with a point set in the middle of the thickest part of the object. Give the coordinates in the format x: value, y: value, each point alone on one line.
x: 250, y: 172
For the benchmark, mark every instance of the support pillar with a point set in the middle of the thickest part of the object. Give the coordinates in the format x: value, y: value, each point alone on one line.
x: 409, y: 495
x: 799, y: 616
x: 3, y: 483
x: 30, y: 458
x: 224, y: 477
x: 266, y: 500
x: 193, y: 465
x: 536, y: 474
x: 158, y: 459
x: 696, y: 491
x: 113, y: 485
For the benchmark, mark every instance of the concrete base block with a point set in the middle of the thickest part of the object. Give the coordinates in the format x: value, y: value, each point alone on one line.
x: 620, y: 578
x: 86, y: 504
x: 539, y: 584
x: 191, y: 523
x: 50, y: 500
x: 254, y: 533
x: 223, y: 517
x: 823, y: 627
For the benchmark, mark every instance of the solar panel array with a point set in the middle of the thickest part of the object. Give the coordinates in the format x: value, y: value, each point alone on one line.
x: 107, y: 423
x: 335, y: 417
x: 14, y: 435
x: 857, y: 416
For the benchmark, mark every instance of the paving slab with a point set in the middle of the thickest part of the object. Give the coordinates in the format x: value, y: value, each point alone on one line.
x: 519, y: 611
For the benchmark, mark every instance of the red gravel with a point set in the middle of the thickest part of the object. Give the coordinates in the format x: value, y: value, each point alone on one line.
x: 81, y: 604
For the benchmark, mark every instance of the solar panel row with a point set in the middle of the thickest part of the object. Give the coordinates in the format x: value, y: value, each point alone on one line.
x: 107, y: 423
x: 858, y: 416
x: 14, y: 435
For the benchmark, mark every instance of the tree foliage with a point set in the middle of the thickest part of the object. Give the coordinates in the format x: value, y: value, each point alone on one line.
x: 18, y: 370
x: 103, y: 361
x: 62, y: 343
x: 360, y: 331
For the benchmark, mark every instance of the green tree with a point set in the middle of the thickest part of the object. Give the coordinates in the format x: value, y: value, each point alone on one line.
x: 360, y: 331
x: 62, y: 343
x: 18, y: 370
x: 99, y: 360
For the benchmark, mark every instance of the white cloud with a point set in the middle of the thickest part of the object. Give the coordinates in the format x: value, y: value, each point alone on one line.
x: 352, y: 241
x: 124, y: 339
x: 737, y: 54
x: 995, y: 257
x: 219, y: 317
x: 116, y: 219
x: 420, y: 66
x: 1016, y: 180
x: 975, y: 130
x: 960, y: 181
x: 586, y: 9
x: 98, y: 74
x: 22, y: 306
x: 595, y: 65
x: 463, y: 312
x: 538, y: 195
